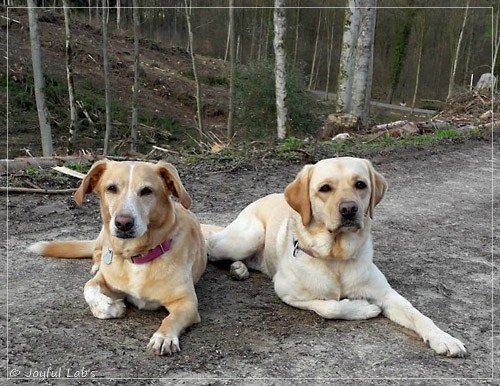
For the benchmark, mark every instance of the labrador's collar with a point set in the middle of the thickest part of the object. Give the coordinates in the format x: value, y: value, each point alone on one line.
x: 153, y: 253
x: 297, y: 248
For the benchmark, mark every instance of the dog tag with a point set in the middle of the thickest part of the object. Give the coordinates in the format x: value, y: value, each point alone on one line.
x: 108, y: 256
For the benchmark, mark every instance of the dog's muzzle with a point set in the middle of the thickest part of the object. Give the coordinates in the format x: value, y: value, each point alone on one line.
x: 350, y: 219
x: 124, y: 226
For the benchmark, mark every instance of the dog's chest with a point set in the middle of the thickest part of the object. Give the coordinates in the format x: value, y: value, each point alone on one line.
x: 318, y: 278
x: 135, y: 280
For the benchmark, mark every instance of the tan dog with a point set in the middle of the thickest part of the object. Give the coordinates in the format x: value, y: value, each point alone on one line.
x: 152, y: 248
x: 315, y: 243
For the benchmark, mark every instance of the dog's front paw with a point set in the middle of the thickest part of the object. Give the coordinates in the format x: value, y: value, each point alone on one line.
x: 161, y: 344
x: 95, y: 268
x: 445, y: 344
x: 102, y: 306
x: 239, y: 271
x: 359, y: 309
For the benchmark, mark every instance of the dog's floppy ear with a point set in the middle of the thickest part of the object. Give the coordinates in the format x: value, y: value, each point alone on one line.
x: 174, y: 183
x: 90, y: 180
x: 297, y: 195
x: 378, y: 187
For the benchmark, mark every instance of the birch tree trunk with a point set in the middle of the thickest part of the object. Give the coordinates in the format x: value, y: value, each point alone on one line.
x: 107, y: 87
x: 232, y: 63
x: 69, y: 76
x: 297, y: 24
x: 347, y: 56
x: 227, y: 42
x: 361, y: 86
x: 329, y: 58
x: 118, y: 14
x: 137, y: 67
x: 195, y: 72
x: 315, y: 53
x: 39, y: 82
x: 419, y: 61
x: 457, y: 53
x: 496, y: 41
x: 280, y: 71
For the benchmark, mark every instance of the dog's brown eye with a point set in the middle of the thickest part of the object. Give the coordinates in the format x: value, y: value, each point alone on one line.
x: 325, y: 188
x: 145, y: 191
x: 112, y: 188
x: 360, y: 185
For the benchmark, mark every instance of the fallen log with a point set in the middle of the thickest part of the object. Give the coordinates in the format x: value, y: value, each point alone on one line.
x: 31, y: 190
x: 486, y: 126
x: 387, y: 126
x: 14, y: 165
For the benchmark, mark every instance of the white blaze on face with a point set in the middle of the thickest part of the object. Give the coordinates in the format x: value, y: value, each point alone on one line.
x: 130, y: 204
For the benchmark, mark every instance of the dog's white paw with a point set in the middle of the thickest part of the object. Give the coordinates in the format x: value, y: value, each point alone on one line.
x: 445, y: 344
x: 358, y: 309
x: 239, y: 271
x: 95, y: 268
x: 161, y: 344
x: 102, y: 306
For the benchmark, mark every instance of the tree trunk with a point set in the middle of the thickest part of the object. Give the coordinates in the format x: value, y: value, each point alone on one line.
x: 118, y: 14
x: 347, y: 56
x: 195, y: 72
x: 232, y: 60
x: 315, y: 52
x: 496, y: 42
x: 280, y: 71
x: 361, y: 86
x: 69, y: 75
x: 261, y: 31
x: 419, y: 61
x: 107, y: 87
x: 329, y: 58
x: 399, y: 54
x: 296, y: 48
x: 227, y: 42
x: 457, y: 53
x: 39, y: 82
x: 137, y: 68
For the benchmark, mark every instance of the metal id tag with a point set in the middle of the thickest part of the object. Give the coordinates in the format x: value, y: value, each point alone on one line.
x: 108, y: 257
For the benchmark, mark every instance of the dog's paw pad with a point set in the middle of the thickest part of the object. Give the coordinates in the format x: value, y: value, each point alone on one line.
x: 445, y: 344
x: 161, y: 344
x: 102, y: 306
x: 239, y: 271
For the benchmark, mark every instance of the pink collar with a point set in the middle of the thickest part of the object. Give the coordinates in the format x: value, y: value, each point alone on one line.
x: 153, y: 253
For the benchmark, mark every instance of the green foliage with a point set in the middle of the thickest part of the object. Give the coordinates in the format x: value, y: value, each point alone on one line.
x: 78, y: 166
x: 255, y: 102
x: 288, y: 149
x: 32, y: 170
x: 290, y: 144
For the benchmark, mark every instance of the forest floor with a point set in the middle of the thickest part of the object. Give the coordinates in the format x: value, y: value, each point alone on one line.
x: 432, y: 238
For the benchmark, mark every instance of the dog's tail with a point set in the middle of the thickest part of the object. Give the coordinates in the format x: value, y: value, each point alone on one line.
x: 74, y: 249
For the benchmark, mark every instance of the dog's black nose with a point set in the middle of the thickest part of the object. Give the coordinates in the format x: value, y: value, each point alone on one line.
x: 124, y: 223
x: 348, y: 209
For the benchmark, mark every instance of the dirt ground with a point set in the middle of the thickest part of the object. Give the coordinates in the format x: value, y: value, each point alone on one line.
x: 432, y: 237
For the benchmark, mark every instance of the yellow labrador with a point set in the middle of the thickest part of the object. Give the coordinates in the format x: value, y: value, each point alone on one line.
x: 150, y: 251
x: 315, y: 243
